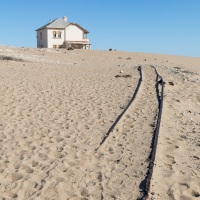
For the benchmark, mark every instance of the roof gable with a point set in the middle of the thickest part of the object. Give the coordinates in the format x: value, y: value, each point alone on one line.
x: 84, y: 30
x: 57, y: 23
x: 60, y: 23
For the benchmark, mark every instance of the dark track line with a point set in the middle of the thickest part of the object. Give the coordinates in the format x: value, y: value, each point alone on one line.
x: 120, y: 116
x: 159, y: 81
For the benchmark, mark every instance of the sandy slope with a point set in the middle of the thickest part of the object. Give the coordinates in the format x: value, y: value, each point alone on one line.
x: 57, y: 105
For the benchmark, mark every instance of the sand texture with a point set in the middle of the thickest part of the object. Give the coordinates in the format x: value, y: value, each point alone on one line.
x: 56, y: 106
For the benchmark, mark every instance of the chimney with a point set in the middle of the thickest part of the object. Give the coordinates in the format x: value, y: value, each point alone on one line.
x: 65, y: 18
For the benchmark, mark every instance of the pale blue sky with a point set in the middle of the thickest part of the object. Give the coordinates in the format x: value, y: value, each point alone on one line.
x: 152, y: 26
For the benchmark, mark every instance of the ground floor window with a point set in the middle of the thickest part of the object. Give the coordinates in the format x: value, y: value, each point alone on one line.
x: 55, y: 46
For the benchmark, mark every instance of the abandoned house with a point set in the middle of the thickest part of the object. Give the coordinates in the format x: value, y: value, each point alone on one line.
x: 60, y: 33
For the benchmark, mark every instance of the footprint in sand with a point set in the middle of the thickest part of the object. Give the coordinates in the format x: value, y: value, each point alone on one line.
x: 170, y: 160
x: 84, y: 193
x: 14, y: 176
x: 182, y: 191
x: 183, y: 186
x: 111, y: 150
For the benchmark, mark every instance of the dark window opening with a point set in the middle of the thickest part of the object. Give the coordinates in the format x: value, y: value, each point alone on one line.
x: 59, y: 34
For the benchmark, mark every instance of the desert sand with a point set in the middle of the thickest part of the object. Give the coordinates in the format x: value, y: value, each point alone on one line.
x: 56, y: 106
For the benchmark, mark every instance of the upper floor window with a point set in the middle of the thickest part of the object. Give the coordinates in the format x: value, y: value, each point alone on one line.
x: 59, y: 34
x: 40, y: 35
x: 56, y: 34
x: 85, y: 35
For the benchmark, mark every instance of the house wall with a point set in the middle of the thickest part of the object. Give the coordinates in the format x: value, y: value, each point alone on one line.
x: 73, y: 33
x: 54, y: 41
x: 42, y: 41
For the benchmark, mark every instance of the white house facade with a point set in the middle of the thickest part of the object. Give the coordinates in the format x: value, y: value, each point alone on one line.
x: 60, y: 33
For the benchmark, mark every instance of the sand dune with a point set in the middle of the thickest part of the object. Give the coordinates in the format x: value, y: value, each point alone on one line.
x: 57, y: 105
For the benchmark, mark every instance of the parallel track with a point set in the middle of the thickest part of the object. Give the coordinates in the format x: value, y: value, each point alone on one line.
x: 160, y: 95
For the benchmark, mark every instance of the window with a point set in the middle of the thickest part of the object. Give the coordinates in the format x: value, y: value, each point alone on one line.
x: 54, y: 34
x: 40, y: 35
x: 85, y: 35
x: 59, y: 34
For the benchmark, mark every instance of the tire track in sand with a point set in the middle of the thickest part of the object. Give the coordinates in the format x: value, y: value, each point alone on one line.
x: 124, y: 156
